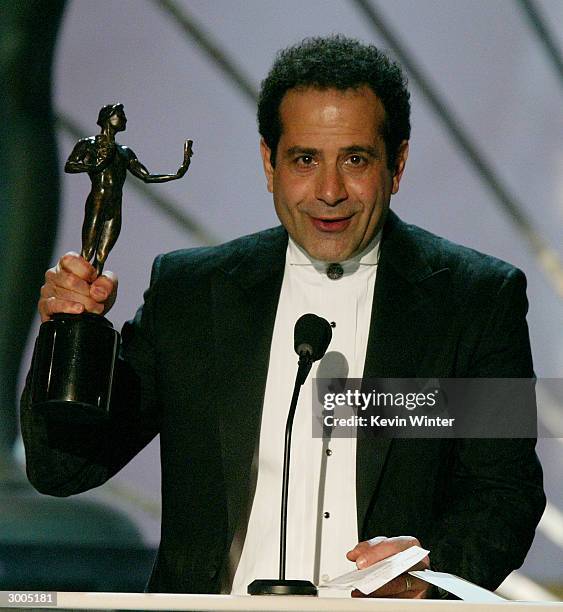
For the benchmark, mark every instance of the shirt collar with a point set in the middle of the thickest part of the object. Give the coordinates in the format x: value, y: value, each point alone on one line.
x: 297, y: 256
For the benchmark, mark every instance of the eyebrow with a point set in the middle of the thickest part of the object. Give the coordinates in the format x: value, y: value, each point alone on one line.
x: 371, y: 151
x: 300, y: 151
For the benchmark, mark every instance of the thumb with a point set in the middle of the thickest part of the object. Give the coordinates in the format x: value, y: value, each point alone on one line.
x: 104, y: 289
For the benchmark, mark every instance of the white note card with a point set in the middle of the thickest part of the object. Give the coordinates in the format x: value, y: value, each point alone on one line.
x: 375, y: 576
x: 457, y: 586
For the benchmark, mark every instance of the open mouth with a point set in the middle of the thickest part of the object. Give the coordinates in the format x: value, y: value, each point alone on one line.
x: 326, y: 224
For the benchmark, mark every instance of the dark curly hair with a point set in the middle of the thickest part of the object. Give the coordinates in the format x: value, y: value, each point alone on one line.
x: 341, y: 63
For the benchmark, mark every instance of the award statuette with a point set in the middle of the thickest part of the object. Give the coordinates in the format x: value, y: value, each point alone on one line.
x: 75, y: 353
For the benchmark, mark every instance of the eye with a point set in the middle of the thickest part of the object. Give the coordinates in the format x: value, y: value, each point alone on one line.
x: 356, y: 160
x: 305, y: 160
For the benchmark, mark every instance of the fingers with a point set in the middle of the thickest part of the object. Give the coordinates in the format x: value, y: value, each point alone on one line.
x: 50, y: 306
x: 400, y: 588
x: 371, y: 551
x: 72, y: 287
x: 362, y: 547
x: 68, y: 275
x: 73, y: 263
x: 60, y: 292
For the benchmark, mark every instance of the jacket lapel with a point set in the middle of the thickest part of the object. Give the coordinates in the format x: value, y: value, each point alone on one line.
x: 407, y: 292
x: 408, y: 296
x: 245, y: 300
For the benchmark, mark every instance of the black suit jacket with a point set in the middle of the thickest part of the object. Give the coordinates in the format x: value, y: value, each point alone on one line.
x: 194, y: 366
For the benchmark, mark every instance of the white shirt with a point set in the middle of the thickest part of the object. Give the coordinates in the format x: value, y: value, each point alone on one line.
x: 322, y: 523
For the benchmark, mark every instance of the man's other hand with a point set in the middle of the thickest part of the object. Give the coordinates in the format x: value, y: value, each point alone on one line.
x: 73, y: 287
x: 374, y: 550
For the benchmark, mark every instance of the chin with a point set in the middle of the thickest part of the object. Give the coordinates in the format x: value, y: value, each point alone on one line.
x: 330, y: 255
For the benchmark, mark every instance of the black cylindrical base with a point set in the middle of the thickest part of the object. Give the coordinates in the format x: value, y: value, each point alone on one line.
x: 73, y: 367
x: 282, y: 587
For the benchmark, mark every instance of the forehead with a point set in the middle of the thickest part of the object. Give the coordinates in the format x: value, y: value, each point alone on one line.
x: 327, y: 113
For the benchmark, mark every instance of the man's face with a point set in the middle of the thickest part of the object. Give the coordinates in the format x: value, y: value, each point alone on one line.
x: 331, y: 184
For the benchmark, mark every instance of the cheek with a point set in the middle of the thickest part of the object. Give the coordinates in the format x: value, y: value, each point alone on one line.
x: 372, y: 192
x: 368, y: 196
x: 363, y: 187
x: 289, y: 192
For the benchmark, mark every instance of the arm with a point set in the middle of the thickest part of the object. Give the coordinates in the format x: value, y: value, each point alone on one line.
x: 480, y: 522
x: 64, y: 458
x: 90, y: 155
x: 137, y: 169
x: 496, y: 496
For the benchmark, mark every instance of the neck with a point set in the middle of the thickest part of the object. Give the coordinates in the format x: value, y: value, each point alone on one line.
x: 109, y: 133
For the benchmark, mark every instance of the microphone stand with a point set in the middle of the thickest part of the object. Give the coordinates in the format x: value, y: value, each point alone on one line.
x: 283, y: 586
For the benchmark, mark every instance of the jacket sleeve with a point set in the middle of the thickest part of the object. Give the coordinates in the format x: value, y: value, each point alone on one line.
x: 495, y: 495
x: 64, y: 458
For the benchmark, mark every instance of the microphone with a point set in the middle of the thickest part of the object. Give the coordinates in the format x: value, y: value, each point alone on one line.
x: 312, y: 335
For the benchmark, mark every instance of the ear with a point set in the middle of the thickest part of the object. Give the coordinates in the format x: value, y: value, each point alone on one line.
x: 402, y: 155
x: 266, y: 153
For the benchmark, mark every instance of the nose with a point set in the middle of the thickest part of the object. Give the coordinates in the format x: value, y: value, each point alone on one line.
x: 330, y: 187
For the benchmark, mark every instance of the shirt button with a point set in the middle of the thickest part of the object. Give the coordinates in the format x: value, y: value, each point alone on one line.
x: 334, y: 271
x: 325, y: 577
x: 326, y: 514
x: 328, y: 452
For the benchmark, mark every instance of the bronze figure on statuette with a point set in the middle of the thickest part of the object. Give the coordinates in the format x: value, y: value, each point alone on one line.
x: 107, y: 162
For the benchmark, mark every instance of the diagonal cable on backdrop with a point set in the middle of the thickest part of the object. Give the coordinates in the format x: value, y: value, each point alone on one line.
x: 546, y: 257
x: 211, y: 48
x: 230, y: 69
x: 546, y: 37
x: 181, y: 218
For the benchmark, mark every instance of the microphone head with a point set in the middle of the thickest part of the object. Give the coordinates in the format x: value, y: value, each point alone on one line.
x: 312, y: 335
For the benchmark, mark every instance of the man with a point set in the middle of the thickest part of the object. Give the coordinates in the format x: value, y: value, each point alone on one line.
x: 208, y: 361
x: 107, y: 163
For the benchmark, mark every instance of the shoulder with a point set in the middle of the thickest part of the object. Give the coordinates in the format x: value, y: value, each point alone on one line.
x: 84, y: 144
x: 126, y: 151
x: 468, y: 268
x: 200, y: 263
x: 477, y: 299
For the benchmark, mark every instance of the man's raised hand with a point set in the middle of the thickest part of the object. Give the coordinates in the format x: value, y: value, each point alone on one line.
x: 73, y: 287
